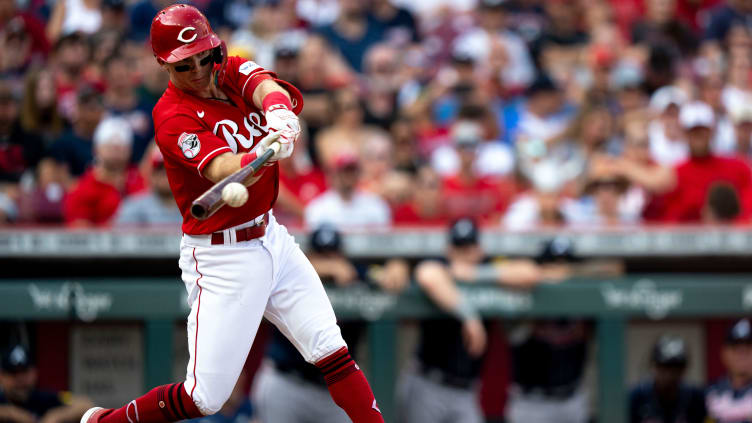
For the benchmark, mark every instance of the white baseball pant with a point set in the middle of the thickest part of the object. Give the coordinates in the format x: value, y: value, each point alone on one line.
x: 230, y: 288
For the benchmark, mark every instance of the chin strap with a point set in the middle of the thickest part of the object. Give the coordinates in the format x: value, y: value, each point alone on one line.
x: 219, y: 75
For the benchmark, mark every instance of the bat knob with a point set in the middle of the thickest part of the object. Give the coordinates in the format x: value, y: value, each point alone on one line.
x: 199, y: 211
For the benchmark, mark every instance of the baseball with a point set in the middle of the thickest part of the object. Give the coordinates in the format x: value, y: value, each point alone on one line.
x: 235, y: 194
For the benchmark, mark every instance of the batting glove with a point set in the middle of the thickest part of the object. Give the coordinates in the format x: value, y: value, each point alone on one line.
x: 281, y: 119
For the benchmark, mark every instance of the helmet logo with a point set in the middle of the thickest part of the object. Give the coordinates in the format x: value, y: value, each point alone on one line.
x: 181, y: 35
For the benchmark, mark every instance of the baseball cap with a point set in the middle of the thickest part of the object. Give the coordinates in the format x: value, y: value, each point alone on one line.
x: 113, y: 130
x: 466, y: 134
x: 740, y: 333
x: 696, y: 114
x: 666, y: 96
x: 326, y: 239
x: 16, y: 358
x: 670, y: 350
x: 463, y: 232
x: 560, y: 248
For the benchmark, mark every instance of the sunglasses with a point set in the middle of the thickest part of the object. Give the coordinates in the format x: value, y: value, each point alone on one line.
x: 185, y: 68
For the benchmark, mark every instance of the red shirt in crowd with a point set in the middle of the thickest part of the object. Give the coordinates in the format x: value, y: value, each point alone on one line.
x: 407, y: 214
x: 304, y: 186
x: 482, y: 198
x: 96, y: 201
x: 694, y: 178
x: 191, y: 131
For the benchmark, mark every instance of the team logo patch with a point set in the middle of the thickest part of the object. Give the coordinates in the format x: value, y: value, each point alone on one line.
x: 190, y: 145
x: 247, y: 67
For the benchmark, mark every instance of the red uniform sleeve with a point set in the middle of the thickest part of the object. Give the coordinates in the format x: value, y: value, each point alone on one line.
x: 186, y: 143
x: 243, y: 76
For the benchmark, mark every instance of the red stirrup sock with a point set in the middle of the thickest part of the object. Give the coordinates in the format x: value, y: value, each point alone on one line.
x: 349, y: 388
x: 163, y: 404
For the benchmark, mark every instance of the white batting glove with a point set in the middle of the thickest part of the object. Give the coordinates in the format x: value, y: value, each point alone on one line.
x: 280, y: 119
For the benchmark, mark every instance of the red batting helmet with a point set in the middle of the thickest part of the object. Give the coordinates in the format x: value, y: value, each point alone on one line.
x: 180, y: 31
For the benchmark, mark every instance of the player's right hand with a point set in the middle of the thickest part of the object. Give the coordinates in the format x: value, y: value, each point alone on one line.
x: 285, y: 146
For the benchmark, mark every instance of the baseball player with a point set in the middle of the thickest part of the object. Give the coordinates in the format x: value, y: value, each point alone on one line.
x: 239, y: 265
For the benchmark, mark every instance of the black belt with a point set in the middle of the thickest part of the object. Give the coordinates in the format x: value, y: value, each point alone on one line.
x: 554, y: 392
x: 440, y: 376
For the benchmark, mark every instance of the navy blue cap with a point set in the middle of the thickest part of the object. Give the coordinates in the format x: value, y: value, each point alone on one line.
x: 559, y: 248
x: 670, y: 350
x: 16, y: 358
x: 326, y: 239
x: 740, y: 333
x: 463, y: 232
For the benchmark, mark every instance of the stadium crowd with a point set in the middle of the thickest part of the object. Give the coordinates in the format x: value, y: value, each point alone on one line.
x: 519, y: 113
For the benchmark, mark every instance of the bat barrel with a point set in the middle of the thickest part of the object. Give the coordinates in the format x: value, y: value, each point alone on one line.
x: 199, y: 211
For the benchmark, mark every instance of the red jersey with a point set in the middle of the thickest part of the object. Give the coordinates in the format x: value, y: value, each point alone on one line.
x: 482, y: 198
x: 191, y: 131
x: 694, y: 178
x: 97, y: 201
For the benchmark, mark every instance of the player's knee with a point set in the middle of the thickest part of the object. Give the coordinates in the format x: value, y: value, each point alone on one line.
x: 209, y: 405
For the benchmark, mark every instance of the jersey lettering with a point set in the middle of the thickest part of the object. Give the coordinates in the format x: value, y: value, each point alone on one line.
x: 231, y: 135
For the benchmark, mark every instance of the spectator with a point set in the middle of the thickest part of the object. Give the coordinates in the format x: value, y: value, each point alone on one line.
x: 426, y: 206
x: 466, y: 192
x: 381, y: 83
x: 73, y: 150
x: 543, y: 119
x: 99, y: 192
x: 39, y: 109
x: 729, y: 400
x: 667, y: 145
x: 441, y: 384
x: 493, y: 158
x: 70, y: 65
x: 726, y: 16
x: 558, y: 47
x: 399, y: 24
x: 20, y: 151
x: 266, y: 25
x: 722, y: 205
x: 665, y: 398
x: 661, y: 25
x: 17, y: 22
x: 155, y: 206
x: 121, y: 99
x: 22, y: 402
x: 344, y: 205
x: 695, y: 176
x: 602, y: 203
x: 353, y: 32
x: 493, y: 45
x: 69, y: 16
x: 114, y: 16
x: 347, y: 132
x: 289, y: 390
x: 141, y: 13
x: 741, y: 117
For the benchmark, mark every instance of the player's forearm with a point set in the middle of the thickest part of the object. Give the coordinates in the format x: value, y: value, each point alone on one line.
x: 437, y: 283
x: 226, y: 164
x: 265, y: 88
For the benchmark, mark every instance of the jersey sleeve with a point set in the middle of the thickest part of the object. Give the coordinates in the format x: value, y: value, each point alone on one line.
x: 243, y: 75
x: 188, y: 144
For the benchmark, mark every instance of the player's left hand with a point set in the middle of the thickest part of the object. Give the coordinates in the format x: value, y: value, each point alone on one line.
x: 280, y: 118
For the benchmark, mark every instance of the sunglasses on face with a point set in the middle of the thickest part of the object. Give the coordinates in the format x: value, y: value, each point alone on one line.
x: 185, y: 68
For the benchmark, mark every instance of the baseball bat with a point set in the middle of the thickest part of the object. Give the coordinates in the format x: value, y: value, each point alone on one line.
x: 211, y: 201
